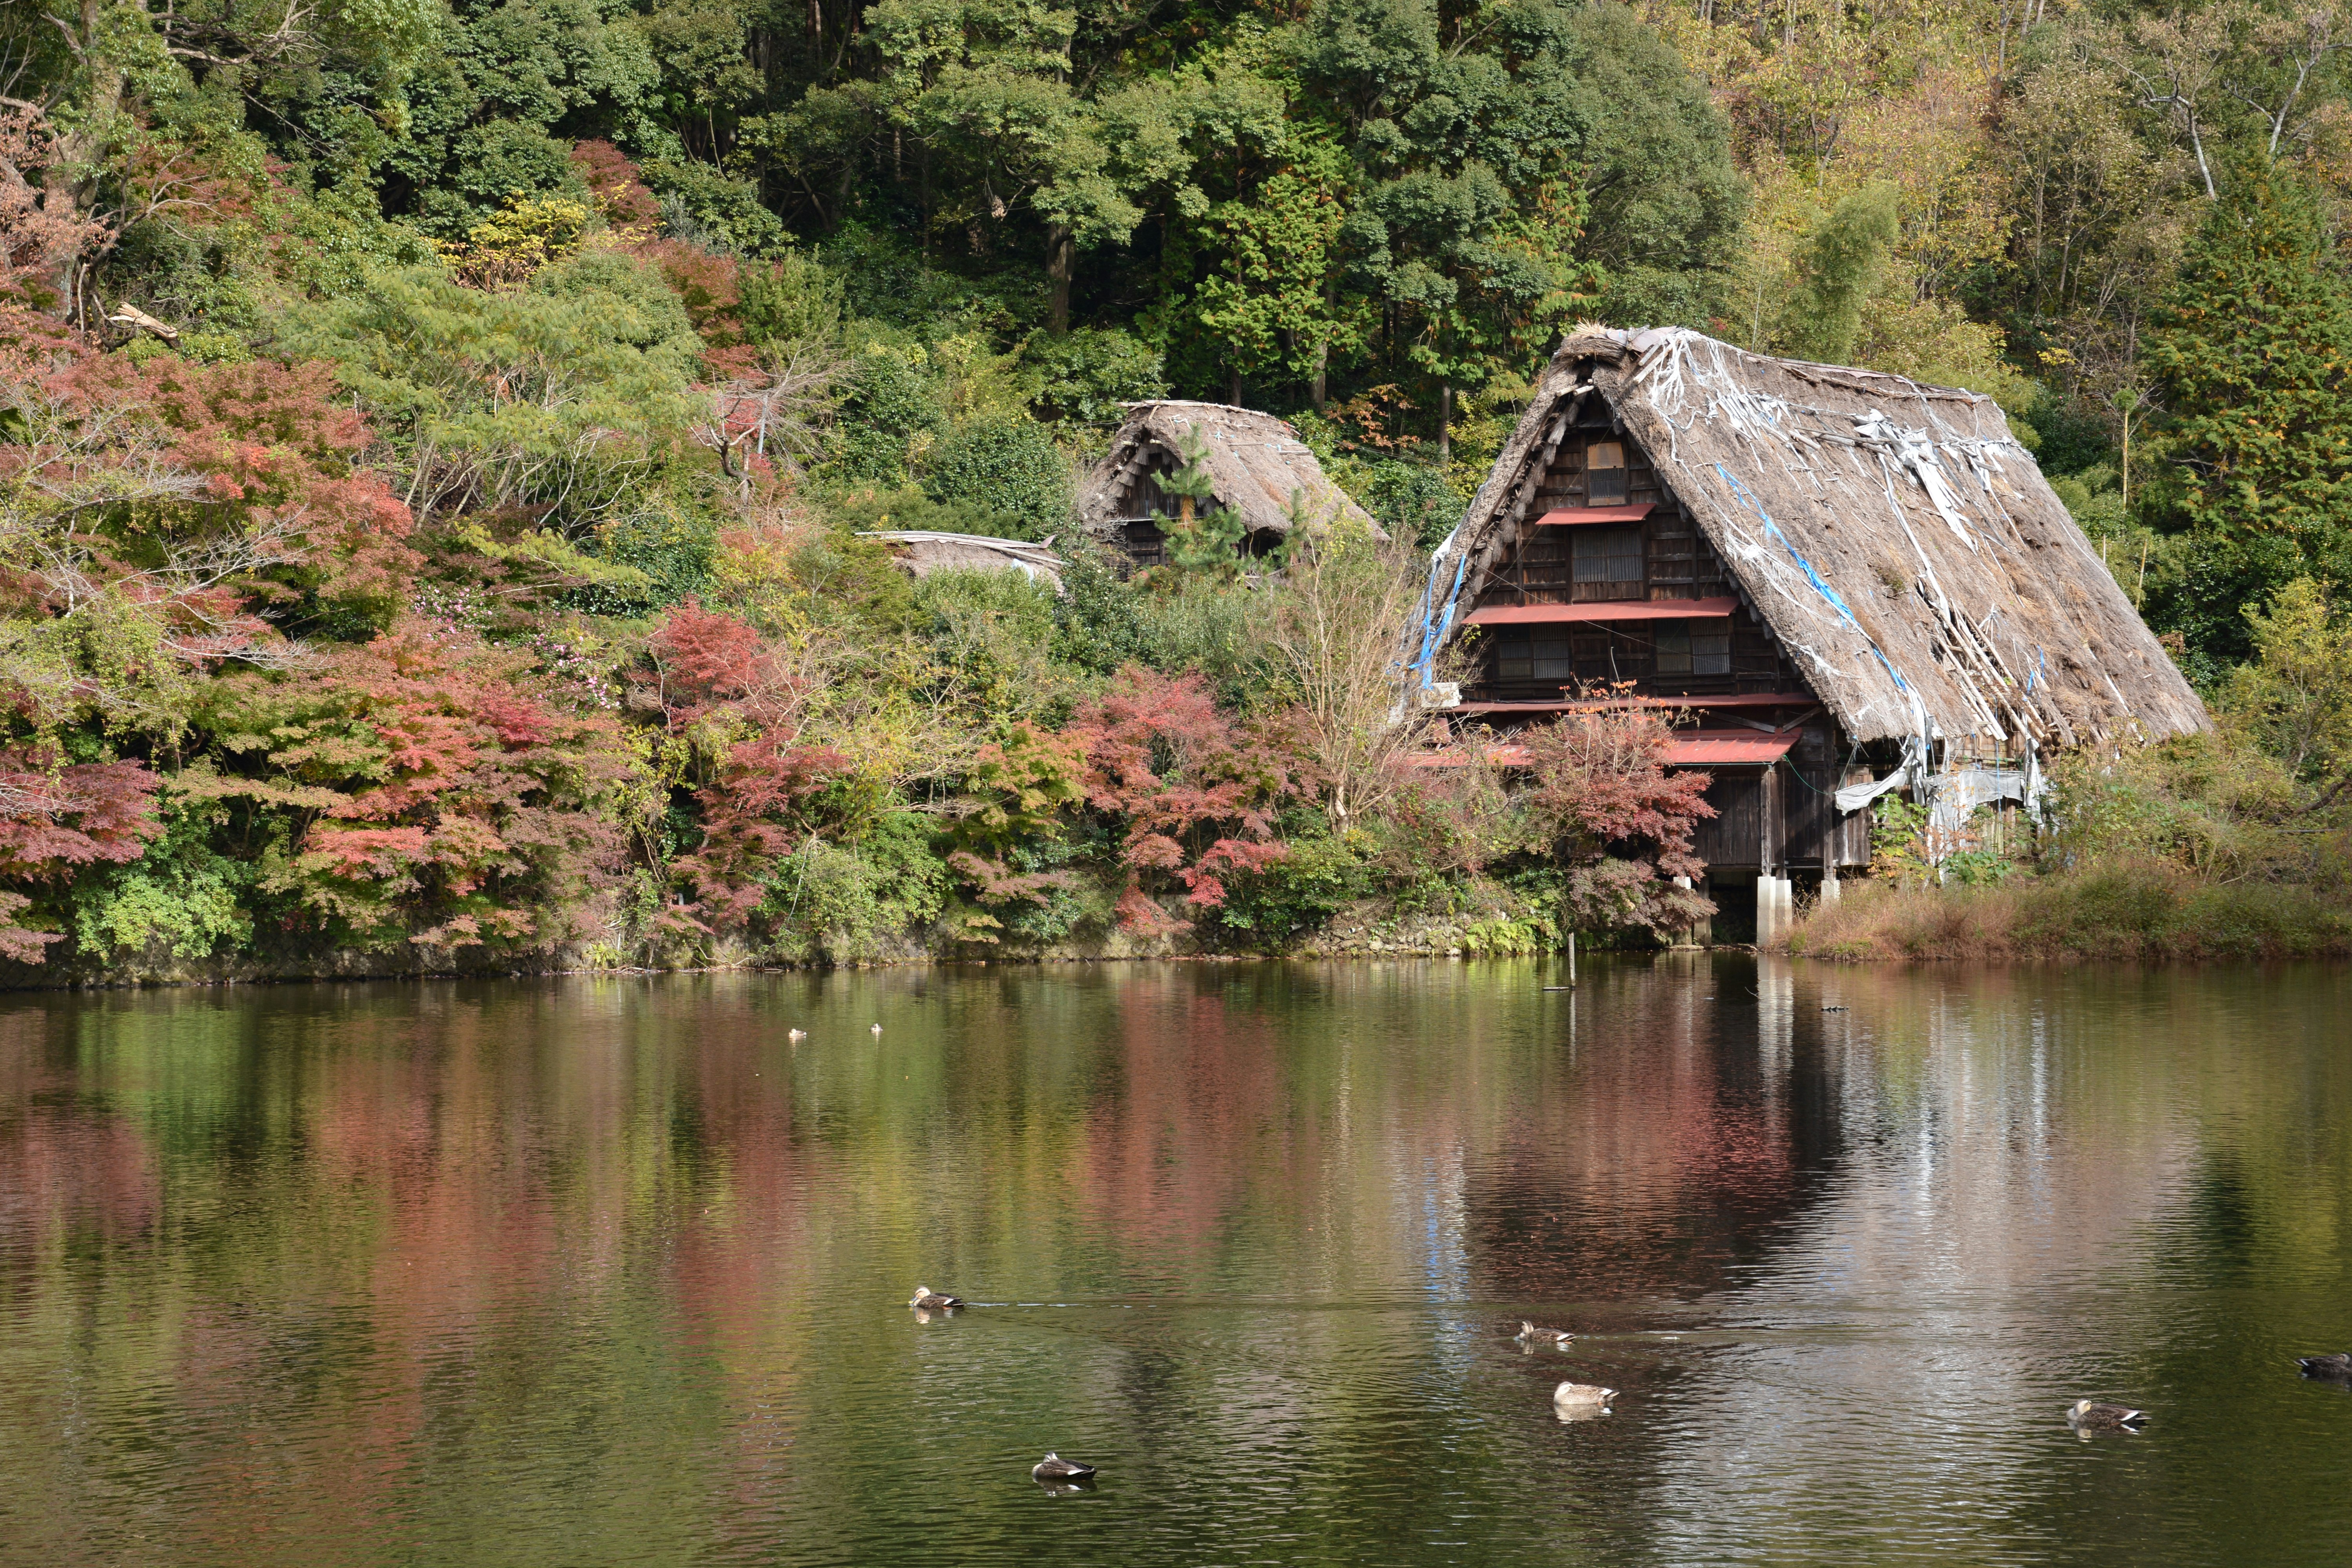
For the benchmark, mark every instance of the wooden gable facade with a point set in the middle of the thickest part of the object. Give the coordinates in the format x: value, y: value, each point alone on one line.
x: 1613, y: 593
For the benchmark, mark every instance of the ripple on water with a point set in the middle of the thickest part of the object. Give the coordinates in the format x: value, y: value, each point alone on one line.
x: 609, y: 1270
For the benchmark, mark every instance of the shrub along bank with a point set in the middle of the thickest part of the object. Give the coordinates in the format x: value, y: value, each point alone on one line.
x: 513, y: 612
x: 2232, y: 845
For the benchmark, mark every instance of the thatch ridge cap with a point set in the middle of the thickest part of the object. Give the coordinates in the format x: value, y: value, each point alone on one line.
x: 1626, y: 341
x: 938, y: 536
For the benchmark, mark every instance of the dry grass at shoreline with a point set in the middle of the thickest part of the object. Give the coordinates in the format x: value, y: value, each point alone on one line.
x: 2143, y: 911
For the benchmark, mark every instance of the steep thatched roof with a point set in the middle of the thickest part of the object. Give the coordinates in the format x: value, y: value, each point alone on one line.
x: 1257, y: 461
x: 1900, y: 544
x: 922, y: 553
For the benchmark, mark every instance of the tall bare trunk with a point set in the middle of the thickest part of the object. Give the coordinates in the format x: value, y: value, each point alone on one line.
x: 1236, y: 399
x: 1445, y: 422
x: 1060, y: 259
x: 1317, y: 388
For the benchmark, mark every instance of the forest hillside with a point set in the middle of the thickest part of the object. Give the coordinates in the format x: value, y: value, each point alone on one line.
x: 436, y: 439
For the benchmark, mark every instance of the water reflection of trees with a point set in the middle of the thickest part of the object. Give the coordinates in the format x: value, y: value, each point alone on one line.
x: 381, y: 1263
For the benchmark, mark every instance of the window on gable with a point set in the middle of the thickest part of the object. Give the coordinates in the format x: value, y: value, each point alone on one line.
x: 1608, y: 563
x: 1604, y: 473
x: 1694, y: 647
x: 1533, y: 653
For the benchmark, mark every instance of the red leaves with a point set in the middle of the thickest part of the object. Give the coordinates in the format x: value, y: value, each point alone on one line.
x: 1159, y: 754
x: 771, y: 772
x: 1602, y: 795
x: 451, y: 789
x: 707, y: 658
x: 712, y: 667
x: 261, y: 414
x: 1226, y: 855
x: 189, y: 492
x: 1601, y: 778
x: 751, y: 816
x: 365, y: 851
x: 612, y: 181
x: 57, y: 817
x: 40, y: 233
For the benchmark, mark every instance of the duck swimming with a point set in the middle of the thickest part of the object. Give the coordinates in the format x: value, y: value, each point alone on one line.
x: 1530, y: 1334
x: 1582, y: 1396
x: 1054, y: 1467
x: 2337, y: 1366
x: 2087, y: 1416
x: 926, y: 1299
x: 796, y: 1034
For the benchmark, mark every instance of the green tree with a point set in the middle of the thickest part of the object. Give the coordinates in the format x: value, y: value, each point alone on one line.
x: 1843, y: 260
x: 983, y: 87
x: 1267, y: 300
x: 1664, y: 199
x: 2250, y: 457
x: 1469, y: 141
x: 2293, y: 699
x: 1004, y: 464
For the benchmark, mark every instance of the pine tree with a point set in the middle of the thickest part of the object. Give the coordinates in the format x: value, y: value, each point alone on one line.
x: 2251, y: 358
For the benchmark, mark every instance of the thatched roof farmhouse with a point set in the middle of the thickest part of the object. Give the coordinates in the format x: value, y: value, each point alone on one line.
x: 922, y: 551
x: 1825, y: 568
x: 1258, y: 466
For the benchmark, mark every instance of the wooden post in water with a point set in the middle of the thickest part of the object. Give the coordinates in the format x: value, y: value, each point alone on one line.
x: 1572, y: 960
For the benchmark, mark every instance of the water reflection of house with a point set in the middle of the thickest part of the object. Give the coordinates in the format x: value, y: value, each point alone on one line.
x: 1657, y: 1171
x: 1826, y: 573
x: 1258, y: 469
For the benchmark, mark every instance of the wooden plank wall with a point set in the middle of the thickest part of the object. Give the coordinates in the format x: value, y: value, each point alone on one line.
x: 1810, y: 821
x: 1679, y: 564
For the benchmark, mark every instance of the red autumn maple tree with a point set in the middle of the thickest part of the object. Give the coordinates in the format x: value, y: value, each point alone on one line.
x: 1604, y: 803
x: 1197, y: 791
x: 57, y: 817
x: 438, y: 792
x: 740, y: 696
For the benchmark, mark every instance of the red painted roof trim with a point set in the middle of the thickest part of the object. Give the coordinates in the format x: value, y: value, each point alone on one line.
x: 1735, y: 700
x: 1600, y: 610
x: 1691, y: 748
x: 1702, y: 749
x: 1571, y: 516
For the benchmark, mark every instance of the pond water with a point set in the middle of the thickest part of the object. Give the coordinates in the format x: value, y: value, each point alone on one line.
x: 611, y: 1270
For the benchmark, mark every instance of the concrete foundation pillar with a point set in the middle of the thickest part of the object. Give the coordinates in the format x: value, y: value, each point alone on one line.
x: 1829, y: 883
x: 1776, y: 909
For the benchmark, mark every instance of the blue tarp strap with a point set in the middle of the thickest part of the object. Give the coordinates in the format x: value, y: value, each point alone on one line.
x: 1432, y: 632
x: 1741, y: 492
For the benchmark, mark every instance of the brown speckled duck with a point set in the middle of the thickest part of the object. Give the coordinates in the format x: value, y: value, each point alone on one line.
x: 1530, y: 1334
x: 1054, y: 1467
x: 926, y: 1299
x: 2337, y: 1368
x: 1582, y: 1396
x: 2089, y: 1415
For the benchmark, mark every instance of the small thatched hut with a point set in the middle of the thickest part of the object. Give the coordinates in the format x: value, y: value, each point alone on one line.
x: 922, y: 553
x: 1258, y: 466
x: 1824, y: 567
